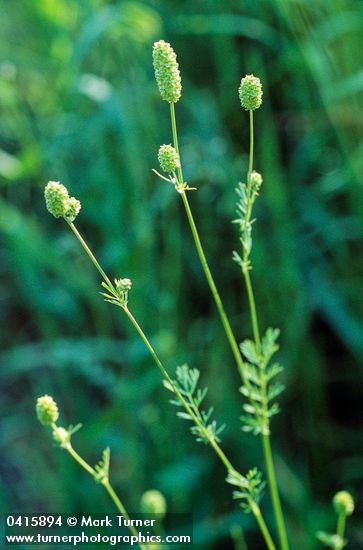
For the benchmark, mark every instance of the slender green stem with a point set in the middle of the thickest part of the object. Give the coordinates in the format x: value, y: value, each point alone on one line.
x: 107, y: 485
x: 271, y: 476
x: 228, y: 330
x: 155, y: 357
x: 90, y: 254
x: 246, y: 272
x: 252, y: 304
x: 255, y: 509
x: 342, y: 518
x: 80, y: 460
x: 252, y: 140
x: 213, y: 288
x: 266, y: 442
x: 175, y: 139
x: 263, y: 527
x: 238, y: 537
x: 195, y: 418
x: 225, y: 321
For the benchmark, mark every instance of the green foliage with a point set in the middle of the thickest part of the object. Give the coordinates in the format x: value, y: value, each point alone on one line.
x: 262, y: 389
x: 251, y: 487
x: 187, y: 384
x: 102, y: 468
x: 117, y: 294
x: 247, y: 195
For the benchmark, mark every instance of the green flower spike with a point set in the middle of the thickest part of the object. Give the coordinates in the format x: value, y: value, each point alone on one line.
x: 168, y: 158
x: 59, y: 203
x: 343, y: 503
x: 250, y: 92
x: 167, y: 72
x: 47, y: 410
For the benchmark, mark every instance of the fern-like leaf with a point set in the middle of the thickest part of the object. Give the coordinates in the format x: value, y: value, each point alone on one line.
x: 187, y: 385
x: 260, y: 391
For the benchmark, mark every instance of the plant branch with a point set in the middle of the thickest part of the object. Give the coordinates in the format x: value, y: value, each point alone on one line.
x: 214, y: 444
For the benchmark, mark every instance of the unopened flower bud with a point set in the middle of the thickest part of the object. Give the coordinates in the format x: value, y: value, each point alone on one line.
x: 168, y: 158
x: 256, y: 179
x: 250, y: 92
x: 61, y: 436
x: 153, y: 502
x: 123, y: 284
x: 167, y: 72
x: 47, y: 410
x: 343, y: 503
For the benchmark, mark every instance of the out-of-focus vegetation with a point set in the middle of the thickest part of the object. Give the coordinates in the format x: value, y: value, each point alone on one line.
x: 78, y: 103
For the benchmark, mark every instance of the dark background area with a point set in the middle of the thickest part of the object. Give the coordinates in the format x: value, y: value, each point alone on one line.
x: 79, y: 104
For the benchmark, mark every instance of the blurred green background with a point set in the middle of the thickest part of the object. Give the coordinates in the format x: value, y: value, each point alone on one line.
x: 78, y: 103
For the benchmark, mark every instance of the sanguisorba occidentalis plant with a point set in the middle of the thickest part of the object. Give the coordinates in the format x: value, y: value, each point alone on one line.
x: 253, y: 357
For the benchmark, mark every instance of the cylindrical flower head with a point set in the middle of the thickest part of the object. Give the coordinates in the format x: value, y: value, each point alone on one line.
x: 168, y: 158
x: 167, y: 72
x: 59, y: 203
x: 47, y: 410
x: 250, y: 92
x: 56, y: 198
x: 153, y: 502
x: 343, y: 503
